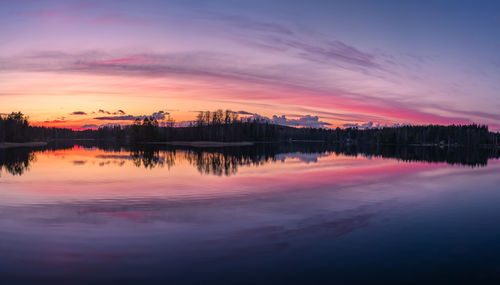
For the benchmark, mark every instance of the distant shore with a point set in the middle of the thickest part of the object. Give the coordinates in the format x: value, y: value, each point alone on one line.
x: 24, y: 144
x: 204, y: 143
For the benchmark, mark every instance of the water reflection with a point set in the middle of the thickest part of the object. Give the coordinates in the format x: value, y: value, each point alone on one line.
x: 227, y: 160
x: 16, y: 161
x: 473, y: 157
x: 269, y: 213
x: 151, y: 158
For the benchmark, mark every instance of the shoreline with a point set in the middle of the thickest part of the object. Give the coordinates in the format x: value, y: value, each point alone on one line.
x: 25, y: 144
x: 204, y: 143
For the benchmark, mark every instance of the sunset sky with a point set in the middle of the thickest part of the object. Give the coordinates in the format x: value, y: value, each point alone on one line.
x: 319, y: 63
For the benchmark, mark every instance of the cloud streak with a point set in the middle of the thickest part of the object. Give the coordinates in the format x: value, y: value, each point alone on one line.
x: 245, y: 23
x: 306, y: 90
x: 279, y: 37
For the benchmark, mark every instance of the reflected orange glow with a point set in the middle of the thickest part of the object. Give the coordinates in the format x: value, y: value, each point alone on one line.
x: 98, y: 174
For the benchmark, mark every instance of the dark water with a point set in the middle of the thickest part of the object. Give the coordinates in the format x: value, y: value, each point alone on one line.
x: 292, y: 214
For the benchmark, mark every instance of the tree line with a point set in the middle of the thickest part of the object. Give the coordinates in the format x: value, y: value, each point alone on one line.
x: 226, y: 126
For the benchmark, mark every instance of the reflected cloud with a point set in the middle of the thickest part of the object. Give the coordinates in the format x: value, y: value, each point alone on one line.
x: 303, y: 157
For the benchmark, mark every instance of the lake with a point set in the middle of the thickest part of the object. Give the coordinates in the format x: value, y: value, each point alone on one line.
x: 292, y: 214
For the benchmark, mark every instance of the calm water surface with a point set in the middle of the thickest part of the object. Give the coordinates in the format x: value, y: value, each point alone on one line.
x: 92, y: 215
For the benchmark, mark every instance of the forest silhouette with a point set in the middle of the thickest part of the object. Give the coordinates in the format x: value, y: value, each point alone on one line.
x: 470, y: 145
x: 225, y: 126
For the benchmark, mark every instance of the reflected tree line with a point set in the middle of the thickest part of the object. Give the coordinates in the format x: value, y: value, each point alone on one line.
x: 151, y: 158
x: 472, y: 157
x: 227, y: 160
x: 16, y: 161
x: 207, y: 161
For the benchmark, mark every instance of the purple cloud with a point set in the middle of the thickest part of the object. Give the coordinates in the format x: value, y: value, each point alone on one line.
x: 119, y: 112
x: 249, y: 24
x: 371, y: 125
x: 160, y: 115
x: 329, y: 51
x: 78, y: 113
x: 89, y: 126
x: 278, y: 37
x: 244, y: 113
x: 303, y: 121
x: 118, y: 118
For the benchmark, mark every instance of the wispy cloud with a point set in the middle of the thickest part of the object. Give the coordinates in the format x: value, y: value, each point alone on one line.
x: 286, y: 84
x: 133, y: 59
x: 242, y: 22
x: 329, y: 51
x: 279, y: 37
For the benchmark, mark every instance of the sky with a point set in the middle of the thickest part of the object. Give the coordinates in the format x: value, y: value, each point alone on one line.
x: 82, y: 64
